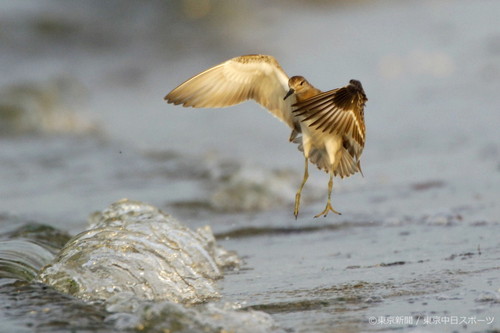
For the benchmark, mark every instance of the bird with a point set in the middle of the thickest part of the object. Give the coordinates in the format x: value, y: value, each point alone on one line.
x: 329, y: 127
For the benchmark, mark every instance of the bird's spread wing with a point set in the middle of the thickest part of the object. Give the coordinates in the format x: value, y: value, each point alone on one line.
x: 257, y: 77
x: 339, y: 111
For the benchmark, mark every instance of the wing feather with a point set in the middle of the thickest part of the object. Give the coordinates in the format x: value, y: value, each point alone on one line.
x: 339, y: 111
x: 336, y: 111
x: 257, y: 77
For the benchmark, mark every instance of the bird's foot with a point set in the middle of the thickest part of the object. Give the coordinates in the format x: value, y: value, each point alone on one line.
x: 327, y: 209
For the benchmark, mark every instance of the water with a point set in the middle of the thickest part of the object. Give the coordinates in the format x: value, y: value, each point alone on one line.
x: 417, y: 238
x: 133, y: 247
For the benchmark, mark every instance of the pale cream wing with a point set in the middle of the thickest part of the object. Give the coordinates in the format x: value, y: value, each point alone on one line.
x: 257, y: 77
x: 339, y: 111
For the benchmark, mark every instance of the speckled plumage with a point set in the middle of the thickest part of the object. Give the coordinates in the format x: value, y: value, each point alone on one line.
x: 328, y: 126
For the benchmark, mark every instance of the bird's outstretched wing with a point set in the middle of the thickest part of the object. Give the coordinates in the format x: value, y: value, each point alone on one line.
x: 257, y: 77
x: 339, y: 111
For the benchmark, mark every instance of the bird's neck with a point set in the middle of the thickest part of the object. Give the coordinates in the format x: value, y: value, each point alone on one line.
x: 306, y: 93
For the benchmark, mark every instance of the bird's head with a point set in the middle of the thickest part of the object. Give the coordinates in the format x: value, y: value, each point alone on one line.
x: 297, y: 85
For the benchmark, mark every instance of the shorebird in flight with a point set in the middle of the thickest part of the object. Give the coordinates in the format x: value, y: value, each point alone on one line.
x: 328, y: 127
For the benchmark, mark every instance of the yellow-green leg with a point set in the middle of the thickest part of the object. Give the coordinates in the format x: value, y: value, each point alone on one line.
x: 297, y: 196
x: 329, y: 207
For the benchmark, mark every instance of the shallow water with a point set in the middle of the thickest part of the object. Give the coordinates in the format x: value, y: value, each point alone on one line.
x: 416, y: 248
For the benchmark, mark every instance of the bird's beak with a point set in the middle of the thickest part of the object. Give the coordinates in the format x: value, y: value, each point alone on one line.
x: 291, y: 91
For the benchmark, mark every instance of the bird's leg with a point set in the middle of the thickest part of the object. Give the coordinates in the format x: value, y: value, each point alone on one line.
x: 329, y: 207
x: 297, y: 196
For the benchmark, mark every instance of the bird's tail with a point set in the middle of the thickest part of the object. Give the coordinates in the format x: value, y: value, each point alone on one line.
x: 319, y: 157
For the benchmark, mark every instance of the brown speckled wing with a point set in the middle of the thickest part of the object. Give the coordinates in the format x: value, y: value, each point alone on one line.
x: 339, y: 111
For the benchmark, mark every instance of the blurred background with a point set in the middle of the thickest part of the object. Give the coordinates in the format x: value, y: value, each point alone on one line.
x: 78, y: 70
x: 83, y: 124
